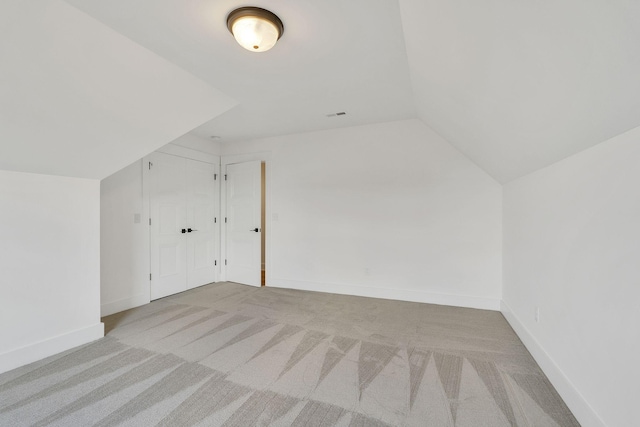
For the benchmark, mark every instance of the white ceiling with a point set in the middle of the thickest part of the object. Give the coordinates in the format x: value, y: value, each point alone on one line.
x: 335, y: 55
x: 514, y: 85
x: 518, y: 85
x: 79, y: 99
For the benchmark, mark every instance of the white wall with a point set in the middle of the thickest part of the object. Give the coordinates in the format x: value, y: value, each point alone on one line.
x: 388, y: 210
x: 124, y: 259
x: 49, y: 263
x: 572, y: 248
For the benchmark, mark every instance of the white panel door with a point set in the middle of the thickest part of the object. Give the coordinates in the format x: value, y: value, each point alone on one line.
x: 243, y: 223
x: 201, y: 235
x: 167, y: 191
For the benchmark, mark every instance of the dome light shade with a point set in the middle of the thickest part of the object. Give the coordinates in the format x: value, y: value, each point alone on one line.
x: 254, y: 28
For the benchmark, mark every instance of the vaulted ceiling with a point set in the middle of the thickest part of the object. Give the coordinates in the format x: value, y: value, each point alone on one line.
x: 518, y: 85
x: 515, y: 86
x: 335, y: 56
x: 78, y: 99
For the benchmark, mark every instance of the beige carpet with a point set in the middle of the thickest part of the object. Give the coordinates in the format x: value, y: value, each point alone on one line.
x: 232, y: 355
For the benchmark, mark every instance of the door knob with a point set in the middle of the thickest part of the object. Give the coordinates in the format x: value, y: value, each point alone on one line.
x: 255, y: 230
x: 189, y: 230
x: 184, y: 231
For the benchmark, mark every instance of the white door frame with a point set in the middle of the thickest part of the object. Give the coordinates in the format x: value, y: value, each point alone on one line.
x: 188, y: 153
x: 241, y: 158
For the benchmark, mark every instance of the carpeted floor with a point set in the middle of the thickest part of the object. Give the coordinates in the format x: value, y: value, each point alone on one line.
x: 232, y: 355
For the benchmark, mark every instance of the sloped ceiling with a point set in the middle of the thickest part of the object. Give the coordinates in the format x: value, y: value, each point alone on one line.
x: 518, y: 85
x: 78, y: 99
x: 515, y: 86
x: 335, y: 56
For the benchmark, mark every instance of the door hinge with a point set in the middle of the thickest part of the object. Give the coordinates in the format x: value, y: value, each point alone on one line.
x: 149, y: 276
x: 225, y: 176
x: 149, y: 221
x: 225, y: 262
x: 150, y: 164
x: 215, y: 220
x: 215, y: 262
x: 215, y: 176
x: 225, y: 219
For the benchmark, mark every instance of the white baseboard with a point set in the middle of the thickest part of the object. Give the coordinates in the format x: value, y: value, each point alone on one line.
x: 45, y: 348
x: 123, y: 304
x: 581, y: 409
x: 393, y: 294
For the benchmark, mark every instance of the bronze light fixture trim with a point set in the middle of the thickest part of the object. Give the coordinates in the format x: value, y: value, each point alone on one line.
x: 254, y: 28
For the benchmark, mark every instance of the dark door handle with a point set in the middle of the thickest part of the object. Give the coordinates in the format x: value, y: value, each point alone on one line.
x: 189, y: 230
x: 184, y: 231
x: 255, y: 230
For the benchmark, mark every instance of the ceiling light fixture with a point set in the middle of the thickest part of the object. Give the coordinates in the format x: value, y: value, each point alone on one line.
x: 254, y: 28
